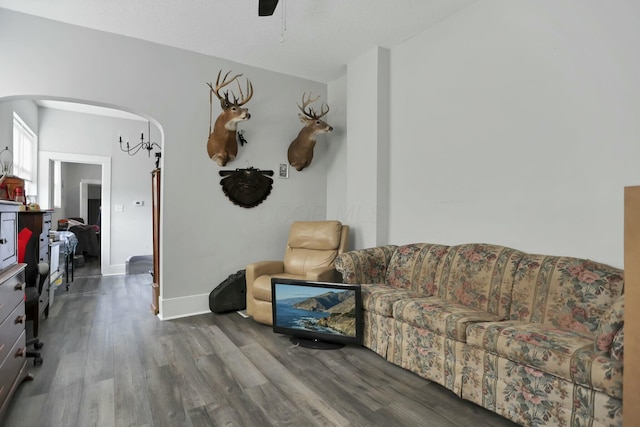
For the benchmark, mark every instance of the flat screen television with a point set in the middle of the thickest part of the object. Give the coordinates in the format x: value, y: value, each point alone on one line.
x: 317, y: 314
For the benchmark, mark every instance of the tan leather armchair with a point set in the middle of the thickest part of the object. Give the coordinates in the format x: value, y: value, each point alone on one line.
x: 311, y: 250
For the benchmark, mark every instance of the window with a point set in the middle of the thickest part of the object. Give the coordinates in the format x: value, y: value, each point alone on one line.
x: 57, y: 184
x: 25, y: 147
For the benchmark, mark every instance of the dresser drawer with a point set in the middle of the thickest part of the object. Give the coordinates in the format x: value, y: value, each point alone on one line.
x: 12, y: 365
x: 11, y: 294
x: 44, y: 250
x: 11, y: 329
x: 8, y: 239
x: 46, y: 223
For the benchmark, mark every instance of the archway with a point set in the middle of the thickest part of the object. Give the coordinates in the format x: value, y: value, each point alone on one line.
x: 101, y: 158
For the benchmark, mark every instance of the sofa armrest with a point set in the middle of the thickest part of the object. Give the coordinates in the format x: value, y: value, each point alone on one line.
x: 617, y: 346
x: 610, y: 323
x: 365, y: 265
x: 323, y: 274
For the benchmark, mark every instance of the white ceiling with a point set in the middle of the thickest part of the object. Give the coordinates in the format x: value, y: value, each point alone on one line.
x: 88, y: 109
x: 321, y: 36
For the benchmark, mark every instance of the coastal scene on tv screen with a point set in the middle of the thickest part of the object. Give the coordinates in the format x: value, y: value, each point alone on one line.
x: 328, y: 310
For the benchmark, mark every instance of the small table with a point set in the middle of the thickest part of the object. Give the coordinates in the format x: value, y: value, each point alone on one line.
x: 69, y: 245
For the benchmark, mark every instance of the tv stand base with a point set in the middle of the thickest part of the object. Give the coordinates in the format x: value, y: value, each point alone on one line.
x: 315, y: 343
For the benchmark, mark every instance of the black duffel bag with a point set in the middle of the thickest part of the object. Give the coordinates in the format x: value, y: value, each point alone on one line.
x: 230, y: 295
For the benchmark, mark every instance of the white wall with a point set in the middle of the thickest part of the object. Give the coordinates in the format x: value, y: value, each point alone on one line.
x: 515, y: 123
x: 204, y: 236
x: 367, y: 151
x: 337, y: 154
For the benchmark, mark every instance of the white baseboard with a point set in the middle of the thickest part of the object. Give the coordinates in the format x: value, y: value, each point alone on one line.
x: 175, y: 308
x: 113, y: 269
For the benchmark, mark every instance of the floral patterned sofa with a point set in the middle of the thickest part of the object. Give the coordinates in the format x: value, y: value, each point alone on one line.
x: 537, y: 339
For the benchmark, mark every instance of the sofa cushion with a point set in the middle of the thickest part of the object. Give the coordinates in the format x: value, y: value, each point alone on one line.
x: 479, y: 276
x: 566, y: 354
x: 440, y: 316
x: 414, y: 267
x: 564, y: 292
x: 379, y: 298
x: 609, y: 325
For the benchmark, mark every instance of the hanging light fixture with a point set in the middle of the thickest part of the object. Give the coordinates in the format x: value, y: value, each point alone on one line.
x: 142, y: 145
x: 6, y: 162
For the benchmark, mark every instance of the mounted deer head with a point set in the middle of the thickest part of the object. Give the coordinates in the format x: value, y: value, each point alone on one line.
x: 222, y: 146
x: 300, y: 151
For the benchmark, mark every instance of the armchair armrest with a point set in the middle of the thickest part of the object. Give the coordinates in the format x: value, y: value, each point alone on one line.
x: 255, y: 270
x: 365, y: 265
x: 261, y: 268
x: 323, y: 274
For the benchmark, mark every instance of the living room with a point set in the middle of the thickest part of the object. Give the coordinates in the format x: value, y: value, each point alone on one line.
x: 509, y: 123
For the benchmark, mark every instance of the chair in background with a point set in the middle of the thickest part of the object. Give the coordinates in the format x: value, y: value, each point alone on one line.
x: 35, y: 275
x: 32, y: 309
x: 69, y: 244
x: 310, y: 253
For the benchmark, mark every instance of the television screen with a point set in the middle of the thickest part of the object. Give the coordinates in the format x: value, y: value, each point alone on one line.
x: 317, y: 314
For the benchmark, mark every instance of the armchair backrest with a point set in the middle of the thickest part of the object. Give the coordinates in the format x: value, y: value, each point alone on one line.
x: 314, y: 244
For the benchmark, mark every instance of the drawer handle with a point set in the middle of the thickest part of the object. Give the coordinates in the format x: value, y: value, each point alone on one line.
x: 19, y: 287
x: 3, y: 241
x: 22, y: 352
x: 21, y: 319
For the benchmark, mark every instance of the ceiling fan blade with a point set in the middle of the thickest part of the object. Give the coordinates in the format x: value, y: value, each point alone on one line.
x: 266, y: 7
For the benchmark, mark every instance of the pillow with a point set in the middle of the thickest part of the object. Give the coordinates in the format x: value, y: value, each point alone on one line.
x: 617, y: 347
x: 610, y: 323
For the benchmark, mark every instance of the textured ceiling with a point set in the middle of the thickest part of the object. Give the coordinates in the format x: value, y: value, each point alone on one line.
x: 321, y: 36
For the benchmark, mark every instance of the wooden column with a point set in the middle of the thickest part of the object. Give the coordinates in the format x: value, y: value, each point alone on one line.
x: 631, y: 385
x: 155, y: 206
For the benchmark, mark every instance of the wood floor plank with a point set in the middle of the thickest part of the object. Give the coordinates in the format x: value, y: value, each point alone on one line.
x: 70, y: 370
x: 292, y: 386
x: 32, y: 416
x: 131, y: 398
x: 97, y: 407
x: 149, y: 347
x: 165, y: 400
x: 243, y: 370
x: 62, y: 406
x: 99, y: 364
x: 196, y: 389
x: 232, y: 408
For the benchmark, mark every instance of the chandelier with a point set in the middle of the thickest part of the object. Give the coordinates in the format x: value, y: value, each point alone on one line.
x: 142, y: 145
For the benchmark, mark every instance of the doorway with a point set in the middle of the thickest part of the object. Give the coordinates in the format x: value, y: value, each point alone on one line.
x: 90, y: 200
x: 46, y: 160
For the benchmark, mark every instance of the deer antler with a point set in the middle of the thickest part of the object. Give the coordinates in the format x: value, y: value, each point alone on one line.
x: 312, y: 113
x: 238, y: 102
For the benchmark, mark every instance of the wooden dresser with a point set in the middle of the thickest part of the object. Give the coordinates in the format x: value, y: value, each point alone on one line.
x: 39, y: 222
x: 13, y: 361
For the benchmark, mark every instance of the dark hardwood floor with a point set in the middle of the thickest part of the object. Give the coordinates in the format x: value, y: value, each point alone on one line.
x: 109, y: 362
x: 90, y: 267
